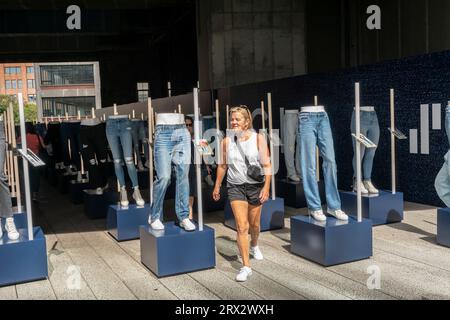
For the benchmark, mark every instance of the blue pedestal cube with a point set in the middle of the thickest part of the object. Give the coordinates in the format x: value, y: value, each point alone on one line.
x: 174, y: 251
x: 123, y: 224
x: 293, y: 194
x: 20, y: 220
x: 443, y: 227
x: 382, y: 209
x: 332, y: 242
x: 96, y: 206
x: 272, y: 215
x: 76, y: 190
x: 23, y: 260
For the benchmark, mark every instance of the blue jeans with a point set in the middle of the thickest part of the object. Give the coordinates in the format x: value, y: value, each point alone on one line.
x: 118, y: 133
x: 371, y: 129
x: 5, y: 196
x: 291, y: 145
x: 442, y: 182
x: 139, y: 135
x: 447, y: 122
x: 314, y: 129
x: 172, y: 145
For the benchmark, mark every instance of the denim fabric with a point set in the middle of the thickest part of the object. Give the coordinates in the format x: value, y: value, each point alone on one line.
x: 71, y: 131
x: 291, y: 145
x: 370, y: 129
x: 143, y: 136
x: 172, y: 145
x: 95, y: 147
x: 118, y: 133
x: 442, y: 182
x: 314, y: 129
x: 5, y: 196
x: 447, y: 122
x: 137, y: 127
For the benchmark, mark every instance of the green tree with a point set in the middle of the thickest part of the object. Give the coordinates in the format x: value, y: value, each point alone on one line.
x: 29, y: 109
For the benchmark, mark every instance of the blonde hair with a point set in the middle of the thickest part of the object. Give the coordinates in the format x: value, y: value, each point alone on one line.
x: 245, y: 112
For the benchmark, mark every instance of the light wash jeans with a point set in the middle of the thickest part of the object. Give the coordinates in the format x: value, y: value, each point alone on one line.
x: 118, y: 133
x: 442, y: 182
x: 172, y: 145
x: 447, y: 122
x: 290, y: 139
x: 5, y: 196
x: 371, y: 129
x: 314, y: 130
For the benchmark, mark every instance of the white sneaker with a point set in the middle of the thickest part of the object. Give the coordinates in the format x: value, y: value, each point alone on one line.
x: 123, y: 198
x: 256, y: 253
x: 363, y: 188
x: 294, y: 178
x: 370, y: 187
x: 99, y: 191
x: 10, y: 228
x: 157, y: 225
x: 187, y: 225
x: 138, y: 198
x: 243, y: 274
x: 318, y: 215
x: 338, y: 214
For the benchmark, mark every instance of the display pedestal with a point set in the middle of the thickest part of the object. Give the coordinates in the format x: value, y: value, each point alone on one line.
x: 76, y: 190
x: 123, y: 224
x: 293, y: 193
x: 332, y: 242
x: 96, y: 206
x: 174, y: 251
x: 143, y: 179
x: 382, y: 209
x: 272, y: 215
x: 443, y: 227
x: 20, y: 220
x: 23, y: 260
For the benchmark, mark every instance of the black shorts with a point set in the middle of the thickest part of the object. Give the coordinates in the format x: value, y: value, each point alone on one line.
x: 245, y: 192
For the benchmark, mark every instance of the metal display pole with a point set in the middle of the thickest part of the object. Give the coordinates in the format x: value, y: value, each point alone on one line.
x: 228, y: 117
x: 197, y: 160
x: 394, y: 187
x: 219, y: 152
x: 150, y: 146
x: 26, y: 174
x: 358, y: 151
x: 269, y: 107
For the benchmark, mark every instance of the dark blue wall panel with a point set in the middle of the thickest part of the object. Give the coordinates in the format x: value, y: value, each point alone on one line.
x: 417, y: 80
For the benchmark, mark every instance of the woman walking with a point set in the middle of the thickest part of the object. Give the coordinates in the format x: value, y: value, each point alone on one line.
x: 246, y: 153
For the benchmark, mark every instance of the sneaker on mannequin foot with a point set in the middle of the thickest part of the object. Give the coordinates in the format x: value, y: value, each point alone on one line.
x: 294, y: 178
x: 99, y: 191
x: 338, y: 214
x: 123, y: 198
x: 156, y: 225
x: 243, y: 274
x: 256, y: 253
x: 318, y: 215
x: 370, y: 187
x: 187, y: 225
x: 10, y: 228
x: 138, y: 198
x: 364, y: 191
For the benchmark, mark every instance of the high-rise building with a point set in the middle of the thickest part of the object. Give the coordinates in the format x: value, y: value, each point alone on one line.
x: 18, y: 77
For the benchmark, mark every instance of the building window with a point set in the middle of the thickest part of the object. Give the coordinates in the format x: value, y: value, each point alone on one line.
x: 32, y: 98
x: 30, y: 69
x: 13, y: 70
x: 19, y: 84
x: 13, y: 84
x: 31, y: 84
x: 67, y: 75
x: 142, y: 90
x: 70, y: 105
x: 8, y: 84
x: 18, y: 70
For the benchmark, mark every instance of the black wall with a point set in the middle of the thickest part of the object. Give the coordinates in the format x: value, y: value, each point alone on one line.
x: 418, y: 80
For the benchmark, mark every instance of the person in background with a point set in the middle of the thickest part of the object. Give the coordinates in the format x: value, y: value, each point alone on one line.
x: 245, y: 194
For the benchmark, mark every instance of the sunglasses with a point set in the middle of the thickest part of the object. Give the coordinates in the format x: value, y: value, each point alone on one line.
x: 188, y: 124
